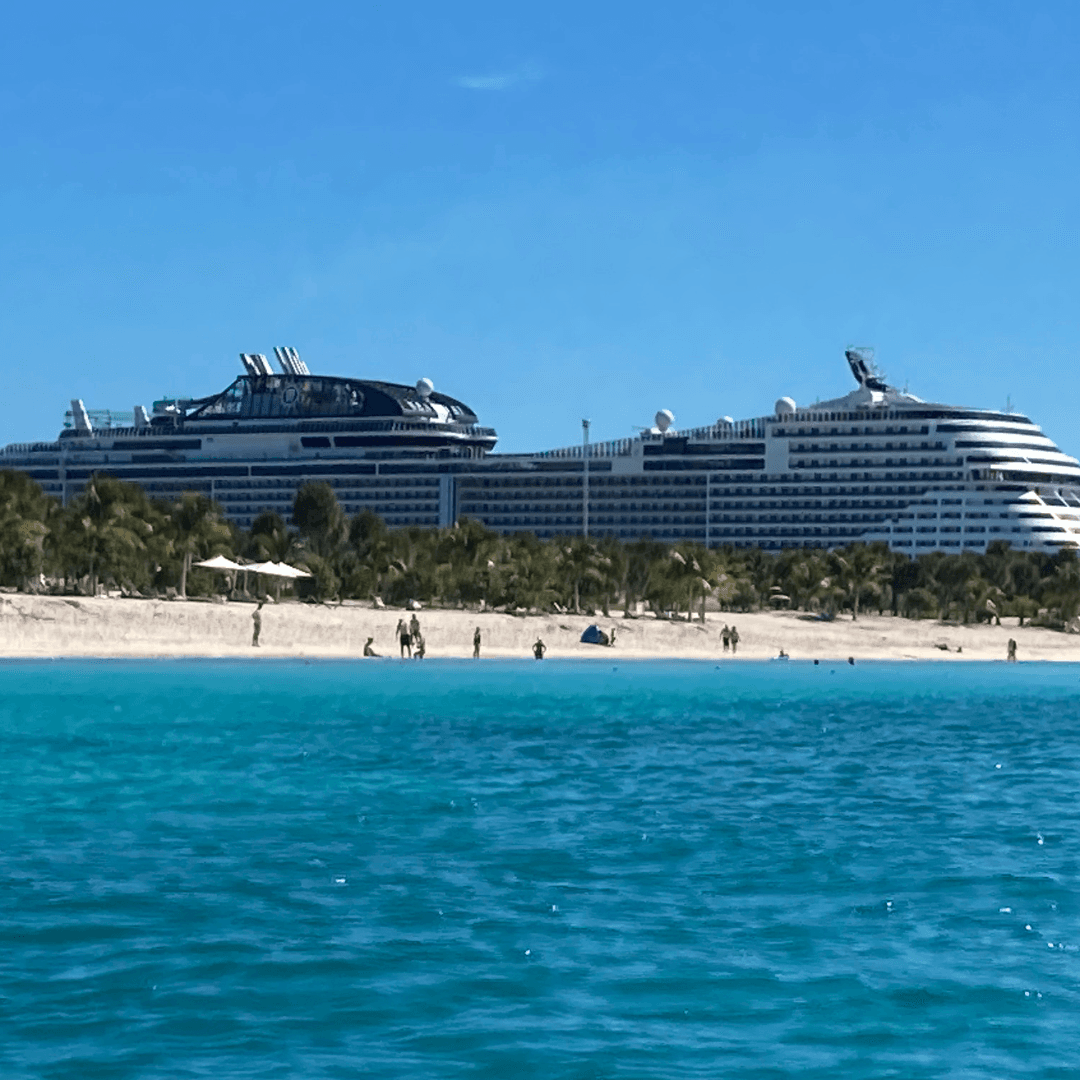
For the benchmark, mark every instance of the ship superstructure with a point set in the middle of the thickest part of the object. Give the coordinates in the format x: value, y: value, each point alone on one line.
x: 875, y: 464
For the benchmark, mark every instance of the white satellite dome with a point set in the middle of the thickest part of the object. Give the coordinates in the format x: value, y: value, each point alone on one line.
x: 664, y: 419
x: 424, y: 387
x: 725, y: 421
x: 785, y: 406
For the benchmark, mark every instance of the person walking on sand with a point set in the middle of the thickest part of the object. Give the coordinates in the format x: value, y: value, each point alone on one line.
x: 539, y: 649
x: 404, y: 638
x: 256, y: 624
x: 734, y: 635
x: 368, y: 650
x: 725, y: 637
x: 476, y: 644
x: 1010, y: 654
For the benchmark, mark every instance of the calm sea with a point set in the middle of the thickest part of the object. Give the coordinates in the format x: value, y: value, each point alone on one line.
x: 557, y: 869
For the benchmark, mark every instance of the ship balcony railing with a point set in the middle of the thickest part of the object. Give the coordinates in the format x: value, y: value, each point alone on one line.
x: 611, y: 448
x: 14, y: 449
x: 345, y: 425
x: 740, y: 429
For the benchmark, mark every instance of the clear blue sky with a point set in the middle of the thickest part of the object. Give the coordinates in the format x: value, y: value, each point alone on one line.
x: 552, y: 210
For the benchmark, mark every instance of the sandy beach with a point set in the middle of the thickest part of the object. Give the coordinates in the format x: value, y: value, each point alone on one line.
x: 50, y: 626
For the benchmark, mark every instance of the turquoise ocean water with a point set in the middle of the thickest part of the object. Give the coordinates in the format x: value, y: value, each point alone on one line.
x: 451, y: 869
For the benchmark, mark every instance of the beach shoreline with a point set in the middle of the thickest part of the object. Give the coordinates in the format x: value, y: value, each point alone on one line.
x: 55, y: 626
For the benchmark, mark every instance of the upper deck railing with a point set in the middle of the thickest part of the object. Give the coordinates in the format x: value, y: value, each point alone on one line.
x: 257, y: 427
x: 15, y: 449
x: 718, y: 432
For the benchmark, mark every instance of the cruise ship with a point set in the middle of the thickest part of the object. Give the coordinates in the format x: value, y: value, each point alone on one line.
x: 877, y: 464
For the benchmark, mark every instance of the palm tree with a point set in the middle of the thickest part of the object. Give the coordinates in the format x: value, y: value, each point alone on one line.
x: 642, y: 559
x: 367, y: 558
x: 579, y: 565
x: 198, y: 528
x: 26, y: 513
x: 269, y: 539
x: 959, y: 582
x: 106, y: 532
x: 1062, y: 589
x: 802, y: 573
x: 319, y: 519
x: 470, y: 554
x: 904, y: 577
x: 859, y: 569
x: 532, y: 573
x: 613, y: 566
x: 759, y: 573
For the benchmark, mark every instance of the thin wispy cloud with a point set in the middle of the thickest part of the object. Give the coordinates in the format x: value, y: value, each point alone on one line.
x: 502, y: 80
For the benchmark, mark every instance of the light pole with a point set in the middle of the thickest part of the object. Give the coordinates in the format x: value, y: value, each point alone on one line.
x: 585, y: 478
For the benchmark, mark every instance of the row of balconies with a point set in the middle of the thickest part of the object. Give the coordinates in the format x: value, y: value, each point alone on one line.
x: 851, y: 448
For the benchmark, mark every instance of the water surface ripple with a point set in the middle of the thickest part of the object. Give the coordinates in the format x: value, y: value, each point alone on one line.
x: 450, y: 869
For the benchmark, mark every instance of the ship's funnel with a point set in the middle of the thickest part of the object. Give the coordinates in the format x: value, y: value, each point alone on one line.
x: 299, y: 367
x: 256, y: 364
x: 290, y: 361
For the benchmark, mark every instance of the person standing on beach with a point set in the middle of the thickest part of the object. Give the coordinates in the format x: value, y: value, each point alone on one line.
x: 419, y: 646
x: 404, y: 638
x: 1010, y: 655
x: 725, y: 636
x: 539, y: 649
x: 476, y: 644
x: 734, y: 635
x: 414, y: 627
x: 256, y: 624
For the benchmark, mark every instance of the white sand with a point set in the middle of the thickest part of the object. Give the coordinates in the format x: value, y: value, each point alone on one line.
x: 101, y: 626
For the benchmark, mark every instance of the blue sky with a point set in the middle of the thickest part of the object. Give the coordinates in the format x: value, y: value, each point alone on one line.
x: 552, y: 211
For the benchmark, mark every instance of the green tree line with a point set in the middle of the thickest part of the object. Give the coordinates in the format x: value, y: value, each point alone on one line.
x: 114, y: 536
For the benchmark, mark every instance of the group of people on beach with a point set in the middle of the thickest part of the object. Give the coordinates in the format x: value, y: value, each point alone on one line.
x: 409, y: 638
x: 412, y: 644
x: 411, y: 641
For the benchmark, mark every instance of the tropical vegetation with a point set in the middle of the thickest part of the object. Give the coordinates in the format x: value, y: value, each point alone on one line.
x: 114, y: 537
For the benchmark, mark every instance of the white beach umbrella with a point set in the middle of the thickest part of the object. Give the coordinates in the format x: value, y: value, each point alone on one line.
x: 219, y: 562
x: 290, y: 571
x: 277, y: 569
x: 263, y: 568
